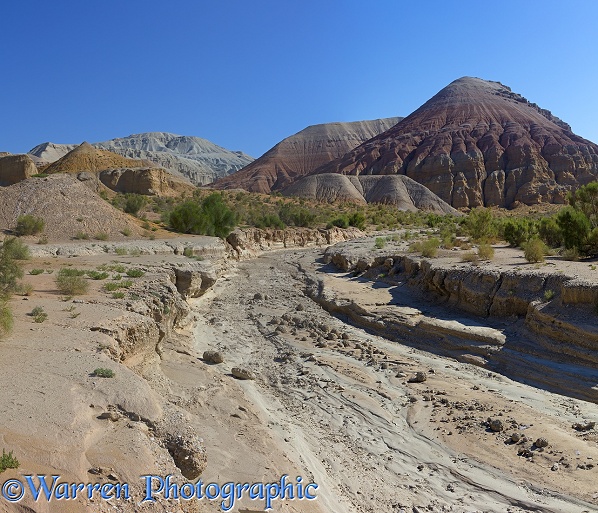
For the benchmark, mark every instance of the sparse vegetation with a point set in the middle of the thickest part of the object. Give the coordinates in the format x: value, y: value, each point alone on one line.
x: 102, y: 372
x: 126, y: 232
x: 101, y: 236
x: 120, y: 251
x: 81, y: 236
x: 38, y: 314
x: 211, y: 216
x: 71, y: 282
x: 97, y: 275
x: 548, y: 294
x: 8, y: 461
x: 485, y: 252
x: 380, y: 243
x: 135, y: 273
x: 428, y: 248
x: 29, y: 225
x: 534, y: 250
x: 35, y: 272
x: 118, y: 295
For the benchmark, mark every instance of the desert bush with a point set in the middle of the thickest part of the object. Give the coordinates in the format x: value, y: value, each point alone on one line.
x: 548, y: 294
x: 210, y: 217
x: 81, y: 236
x: 71, y: 282
x: 43, y: 239
x: 102, y: 372
x: 428, y: 248
x: 570, y: 254
x: 97, y: 275
x: 269, y: 221
x: 101, y: 236
x: 38, y: 314
x: 296, y: 216
x: 470, y: 256
x: 6, y: 319
x: 380, y: 243
x: 134, y: 203
x: 135, y: 273
x: 339, y: 222
x: 35, y: 272
x: 8, y: 461
x: 480, y: 224
x: 518, y: 231
x: 29, y: 225
x: 534, y: 250
x: 485, y: 252
x: 121, y: 251
x: 12, y: 251
x: 127, y: 232
x: 549, y: 232
x: 118, y: 295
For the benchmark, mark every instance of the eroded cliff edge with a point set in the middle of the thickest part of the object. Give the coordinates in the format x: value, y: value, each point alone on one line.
x: 535, y: 325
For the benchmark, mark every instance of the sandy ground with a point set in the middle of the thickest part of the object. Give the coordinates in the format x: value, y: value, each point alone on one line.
x: 330, y: 402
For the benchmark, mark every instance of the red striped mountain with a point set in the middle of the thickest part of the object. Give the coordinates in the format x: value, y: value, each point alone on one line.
x: 477, y: 143
x: 302, y: 153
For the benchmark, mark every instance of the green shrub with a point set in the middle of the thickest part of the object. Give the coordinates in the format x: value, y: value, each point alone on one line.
x: 480, y: 224
x: 12, y: 250
x: 357, y: 219
x: 380, y: 242
x: 120, y: 251
x: 43, y: 239
x: 29, y: 225
x: 134, y: 203
x: 534, y: 250
x: 339, y: 222
x: 470, y: 256
x: 428, y: 248
x: 118, y: 295
x: 570, y: 254
x: 549, y: 232
x: 296, y: 216
x: 518, y: 231
x: 8, y: 461
x: 548, y: 294
x: 6, y: 319
x: 38, y: 314
x: 97, y: 275
x: 35, y: 272
x: 126, y: 232
x: 210, y: 217
x: 269, y: 221
x: 81, y: 236
x: 110, y: 286
x: 574, y: 226
x: 71, y: 283
x: 485, y: 252
x: 135, y: 273
x: 102, y: 372
x: 101, y: 236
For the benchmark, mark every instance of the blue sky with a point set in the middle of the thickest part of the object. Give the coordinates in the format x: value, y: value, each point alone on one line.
x: 245, y: 74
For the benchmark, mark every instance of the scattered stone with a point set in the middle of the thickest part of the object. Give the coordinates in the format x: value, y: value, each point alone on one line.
x: 418, y: 377
x: 584, y: 427
x: 515, y: 437
x: 299, y: 307
x: 112, y: 416
x: 555, y: 467
x: 242, y: 373
x: 541, y: 443
x: 213, y: 357
x: 496, y: 425
x: 345, y: 336
x: 257, y: 296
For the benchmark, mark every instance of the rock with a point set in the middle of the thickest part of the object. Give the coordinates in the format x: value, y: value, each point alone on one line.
x: 16, y: 168
x: 555, y: 467
x: 418, y: 377
x: 515, y: 437
x: 148, y: 181
x: 258, y: 297
x: 213, y: 357
x: 584, y: 427
x: 541, y: 443
x: 242, y: 373
x: 112, y: 416
x: 496, y: 425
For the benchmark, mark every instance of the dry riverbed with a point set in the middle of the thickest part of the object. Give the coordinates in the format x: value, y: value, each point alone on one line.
x: 330, y: 402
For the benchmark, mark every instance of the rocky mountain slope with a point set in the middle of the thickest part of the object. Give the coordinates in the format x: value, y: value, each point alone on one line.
x: 397, y: 190
x: 302, y: 153
x: 198, y: 160
x: 478, y: 143
x: 14, y: 168
x: 97, y: 168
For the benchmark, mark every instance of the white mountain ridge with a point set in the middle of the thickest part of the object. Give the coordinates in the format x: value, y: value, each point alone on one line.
x: 198, y: 160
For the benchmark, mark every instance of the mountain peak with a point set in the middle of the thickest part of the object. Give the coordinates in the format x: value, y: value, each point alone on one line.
x: 477, y: 143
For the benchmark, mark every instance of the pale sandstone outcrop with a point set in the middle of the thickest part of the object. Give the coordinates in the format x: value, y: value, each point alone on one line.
x: 15, y: 168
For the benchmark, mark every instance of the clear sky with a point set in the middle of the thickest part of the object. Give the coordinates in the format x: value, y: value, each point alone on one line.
x: 246, y: 74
